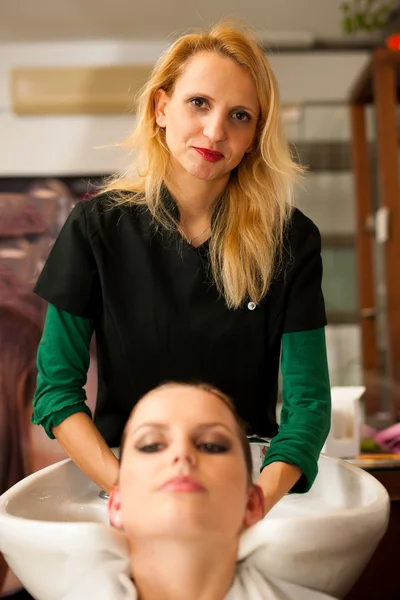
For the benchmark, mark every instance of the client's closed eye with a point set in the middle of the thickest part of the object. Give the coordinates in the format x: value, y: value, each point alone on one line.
x: 209, y: 447
x: 155, y: 447
x: 213, y: 448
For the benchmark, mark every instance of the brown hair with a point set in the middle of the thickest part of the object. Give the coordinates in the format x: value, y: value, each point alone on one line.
x: 20, y: 331
x: 240, y: 425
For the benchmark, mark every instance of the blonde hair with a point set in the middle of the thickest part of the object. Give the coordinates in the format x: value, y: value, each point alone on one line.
x: 248, y: 225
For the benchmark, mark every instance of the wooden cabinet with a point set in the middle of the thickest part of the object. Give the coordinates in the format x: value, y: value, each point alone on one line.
x: 376, y: 166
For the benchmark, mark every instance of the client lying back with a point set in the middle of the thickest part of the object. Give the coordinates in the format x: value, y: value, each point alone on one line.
x: 183, y: 499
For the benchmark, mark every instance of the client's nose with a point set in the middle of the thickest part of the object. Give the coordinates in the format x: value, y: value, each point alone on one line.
x: 185, y: 457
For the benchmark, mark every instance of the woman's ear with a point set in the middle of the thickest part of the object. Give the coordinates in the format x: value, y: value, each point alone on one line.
x: 255, y: 507
x: 161, y: 99
x: 114, y: 508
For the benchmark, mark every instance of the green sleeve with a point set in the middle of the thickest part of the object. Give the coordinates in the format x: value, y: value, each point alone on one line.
x: 306, y: 405
x: 63, y: 361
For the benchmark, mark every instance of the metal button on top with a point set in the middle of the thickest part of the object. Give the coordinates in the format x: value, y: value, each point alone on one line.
x: 251, y: 305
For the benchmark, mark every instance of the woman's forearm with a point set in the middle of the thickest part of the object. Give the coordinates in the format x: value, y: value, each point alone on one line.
x: 276, y: 480
x: 84, y: 444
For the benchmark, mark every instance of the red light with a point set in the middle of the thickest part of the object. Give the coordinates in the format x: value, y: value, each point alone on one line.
x: 393, y: 42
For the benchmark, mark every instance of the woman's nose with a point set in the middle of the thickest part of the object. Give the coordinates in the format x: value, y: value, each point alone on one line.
x: 185, y: 456
x: 215, y: 128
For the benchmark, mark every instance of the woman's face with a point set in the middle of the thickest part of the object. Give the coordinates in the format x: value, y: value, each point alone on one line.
x: 183, y: 470
x: 214, y: 106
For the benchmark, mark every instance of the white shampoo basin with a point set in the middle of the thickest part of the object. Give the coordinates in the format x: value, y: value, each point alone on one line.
x: 53, y: 525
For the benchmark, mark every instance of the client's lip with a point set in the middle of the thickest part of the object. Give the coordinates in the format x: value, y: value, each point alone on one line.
x: 182, y: 484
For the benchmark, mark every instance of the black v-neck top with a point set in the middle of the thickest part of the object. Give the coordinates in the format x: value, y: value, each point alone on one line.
x: 158, y: 317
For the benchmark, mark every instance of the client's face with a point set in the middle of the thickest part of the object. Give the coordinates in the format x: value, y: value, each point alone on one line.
x: 183, y: 470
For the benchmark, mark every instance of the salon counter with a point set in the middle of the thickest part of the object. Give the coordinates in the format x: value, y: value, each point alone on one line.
x: 380, y: 579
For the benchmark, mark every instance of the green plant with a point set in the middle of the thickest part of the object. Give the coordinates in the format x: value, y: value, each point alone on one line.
x: 366, y: 15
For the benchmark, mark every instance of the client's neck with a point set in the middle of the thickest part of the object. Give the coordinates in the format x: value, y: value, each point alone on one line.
x: 183, y: 570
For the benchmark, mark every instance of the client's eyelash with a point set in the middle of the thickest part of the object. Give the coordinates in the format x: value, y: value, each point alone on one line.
x: 150, y: 448
x: 209, y: 447
x: 213, y: 448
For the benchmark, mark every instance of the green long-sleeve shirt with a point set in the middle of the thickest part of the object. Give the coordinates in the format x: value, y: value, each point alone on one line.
x: 63, y: 361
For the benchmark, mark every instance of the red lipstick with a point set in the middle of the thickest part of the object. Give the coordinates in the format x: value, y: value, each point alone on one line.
x: 209, y: 155
x: 182, y: 484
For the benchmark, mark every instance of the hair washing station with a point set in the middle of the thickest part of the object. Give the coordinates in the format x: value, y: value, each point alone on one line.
x: 54, y: 528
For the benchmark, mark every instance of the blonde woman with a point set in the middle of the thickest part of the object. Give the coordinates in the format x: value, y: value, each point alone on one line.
x: 192, y: 266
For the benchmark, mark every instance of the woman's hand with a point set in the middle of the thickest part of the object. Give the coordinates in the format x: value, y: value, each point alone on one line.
x: 276, y: 480
x: 84, y: 444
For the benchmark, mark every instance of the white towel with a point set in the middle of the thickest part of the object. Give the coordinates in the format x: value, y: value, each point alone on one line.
x: 108, y: 576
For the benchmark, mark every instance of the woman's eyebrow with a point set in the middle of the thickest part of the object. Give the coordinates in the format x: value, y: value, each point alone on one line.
x: 154, y: 424
x: 162, y: 426
x: 204, y: 426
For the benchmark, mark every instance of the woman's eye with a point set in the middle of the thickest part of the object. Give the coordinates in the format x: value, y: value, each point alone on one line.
x: 150, y: 448
x: 198, y: 102
x: 211, y: 448
x: 241, y: 116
